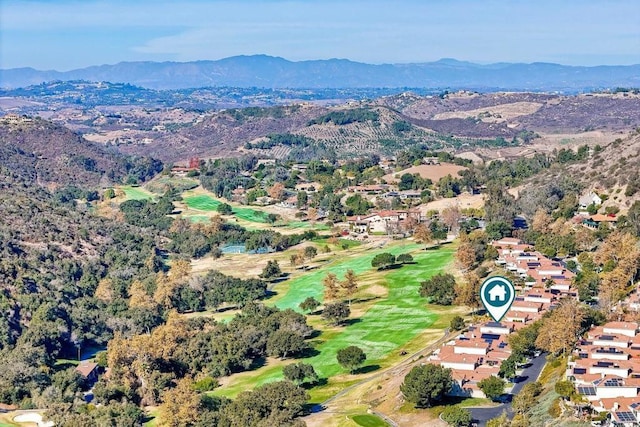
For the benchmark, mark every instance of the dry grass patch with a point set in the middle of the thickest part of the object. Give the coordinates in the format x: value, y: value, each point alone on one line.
x: 433, y: 172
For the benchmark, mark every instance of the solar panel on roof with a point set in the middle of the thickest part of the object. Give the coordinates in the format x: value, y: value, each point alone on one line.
x: 615, y: 382
x: 587, y: 391
x: 626, y: 417
x: 491, y: 337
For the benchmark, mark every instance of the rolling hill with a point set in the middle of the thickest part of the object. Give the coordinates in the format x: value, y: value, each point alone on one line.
x: 460, y: 121
x: 39, y: 151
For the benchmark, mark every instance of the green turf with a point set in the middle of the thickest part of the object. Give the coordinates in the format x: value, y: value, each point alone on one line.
x: 136, y: 193
x: 310, y: 285
x: 366, y: 420
x: 205, y: 202
x: 162, y: 184
x: 390, y: 323
x: 202, y: 202
x: 303, y: 225
x: 198, y: 218
x: 348, y: 242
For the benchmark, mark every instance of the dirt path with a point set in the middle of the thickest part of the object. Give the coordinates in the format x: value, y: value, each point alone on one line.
x: 380, y: 393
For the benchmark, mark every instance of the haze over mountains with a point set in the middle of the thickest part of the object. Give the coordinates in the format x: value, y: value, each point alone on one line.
x: 274, y: 72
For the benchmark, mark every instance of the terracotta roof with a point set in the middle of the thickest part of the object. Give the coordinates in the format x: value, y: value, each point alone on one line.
x: 630, y: 326
x: 603, y: 218
x: 85, y: 368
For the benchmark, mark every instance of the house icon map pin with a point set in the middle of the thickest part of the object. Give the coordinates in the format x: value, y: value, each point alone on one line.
x: 497, y: 294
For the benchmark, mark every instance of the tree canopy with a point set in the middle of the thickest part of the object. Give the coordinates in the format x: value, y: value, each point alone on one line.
x: 427, y: 384
x: 351, y: 357
x: 440, y: 289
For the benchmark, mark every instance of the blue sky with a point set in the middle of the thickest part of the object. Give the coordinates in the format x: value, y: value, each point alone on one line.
x: 69, y: 34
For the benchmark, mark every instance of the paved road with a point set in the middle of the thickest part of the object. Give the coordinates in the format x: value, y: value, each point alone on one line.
x: 529, y: 374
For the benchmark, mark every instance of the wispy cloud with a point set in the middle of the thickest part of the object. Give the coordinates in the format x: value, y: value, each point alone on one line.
x: 71, y: 32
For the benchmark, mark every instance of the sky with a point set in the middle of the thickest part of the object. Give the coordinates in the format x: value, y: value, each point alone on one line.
x: 68, y: 34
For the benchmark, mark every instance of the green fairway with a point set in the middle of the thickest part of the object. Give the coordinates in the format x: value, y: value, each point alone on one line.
x: 303, y: 225
x: 346, y: 242
x: 205, y: 202
x: 388, y: 324
x: 136, y: 193
x: 202, y: 202
x: 160, y: 185
x: 366, y: 420
x: 310, y: 285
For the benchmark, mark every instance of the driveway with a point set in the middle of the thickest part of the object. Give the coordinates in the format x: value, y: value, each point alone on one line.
x: 529, y: 374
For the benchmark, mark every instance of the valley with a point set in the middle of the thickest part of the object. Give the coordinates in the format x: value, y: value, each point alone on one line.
x: 231, y: 259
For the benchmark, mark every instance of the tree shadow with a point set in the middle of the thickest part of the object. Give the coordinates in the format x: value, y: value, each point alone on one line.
x: 148, y: 418
x: 227, y: 308
x: 309, y: 352
x: 318, y: 383
x: 365, y: 299
x: 350, y: 322
x: 315, y: 333
x: 390, y: 267
x: 366, y: 369
x: 276, y: 280
x: 269, y: 294
x: 257, y: 363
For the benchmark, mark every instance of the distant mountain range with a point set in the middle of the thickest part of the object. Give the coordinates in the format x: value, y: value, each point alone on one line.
x: 273, y: 72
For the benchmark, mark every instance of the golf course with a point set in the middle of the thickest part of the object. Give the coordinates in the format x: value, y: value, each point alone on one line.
x: 388, y: 317
x: 204, y: 202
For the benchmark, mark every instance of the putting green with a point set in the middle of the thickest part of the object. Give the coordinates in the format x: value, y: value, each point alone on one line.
x: 205, y: 202
x: 199, y: 218
x: 366, y: 420
x: 387, y: 325
x: 136, y: 193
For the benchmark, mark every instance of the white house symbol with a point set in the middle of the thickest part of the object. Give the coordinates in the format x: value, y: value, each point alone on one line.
x: 498, y: 292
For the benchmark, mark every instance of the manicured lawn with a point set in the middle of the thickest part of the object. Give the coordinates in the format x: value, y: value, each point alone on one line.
x: 310, y: 285
x: 198, y: 218
x: 202, y: 202
x: 136, y: 193
x: 205, y: 202
x: 251, y: 215
x: 389, y: 323
x: 367, y: 420
x: 162, y: 184
x: 305, y: 225
x: 349, y: 243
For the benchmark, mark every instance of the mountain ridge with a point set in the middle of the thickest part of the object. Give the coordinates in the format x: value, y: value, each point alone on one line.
x: 277, y: 72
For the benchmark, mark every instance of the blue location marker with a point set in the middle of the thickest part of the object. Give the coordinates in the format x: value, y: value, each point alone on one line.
x: 497, y: 294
